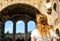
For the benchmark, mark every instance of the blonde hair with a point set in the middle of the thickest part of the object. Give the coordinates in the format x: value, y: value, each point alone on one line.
x: 42, y: 25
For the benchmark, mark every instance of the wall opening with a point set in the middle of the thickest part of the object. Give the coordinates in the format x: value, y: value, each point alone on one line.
x: 8, y: 27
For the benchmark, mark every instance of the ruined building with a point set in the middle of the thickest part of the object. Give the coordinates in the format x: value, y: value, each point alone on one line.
x: 26, y: 10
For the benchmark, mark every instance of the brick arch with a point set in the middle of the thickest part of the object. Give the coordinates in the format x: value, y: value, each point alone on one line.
x: 20, y: 8
x: 19, y: 11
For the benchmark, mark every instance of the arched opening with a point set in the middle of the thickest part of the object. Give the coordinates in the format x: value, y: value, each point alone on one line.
x: 20, y: 29
x: 20, y: 8
x: 31, y: 26
x: 8, y: 27
x: 20, y: 39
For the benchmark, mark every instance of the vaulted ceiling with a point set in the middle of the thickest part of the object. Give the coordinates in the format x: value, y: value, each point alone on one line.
x: 19, y: 11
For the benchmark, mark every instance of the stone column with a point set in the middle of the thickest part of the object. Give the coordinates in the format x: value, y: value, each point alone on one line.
x: 14, y: 30
x: 26, y: 31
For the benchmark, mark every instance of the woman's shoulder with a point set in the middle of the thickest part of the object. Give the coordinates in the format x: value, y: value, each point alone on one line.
x: 35, y: 30
x: 33, y: 33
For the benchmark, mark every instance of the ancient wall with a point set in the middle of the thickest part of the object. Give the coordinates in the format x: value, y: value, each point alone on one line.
x: 39, y: 4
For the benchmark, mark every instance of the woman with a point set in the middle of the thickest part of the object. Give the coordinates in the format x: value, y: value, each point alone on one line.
x: 43, y: 31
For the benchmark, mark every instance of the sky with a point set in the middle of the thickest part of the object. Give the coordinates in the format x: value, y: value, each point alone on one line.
x: 20, y: 26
